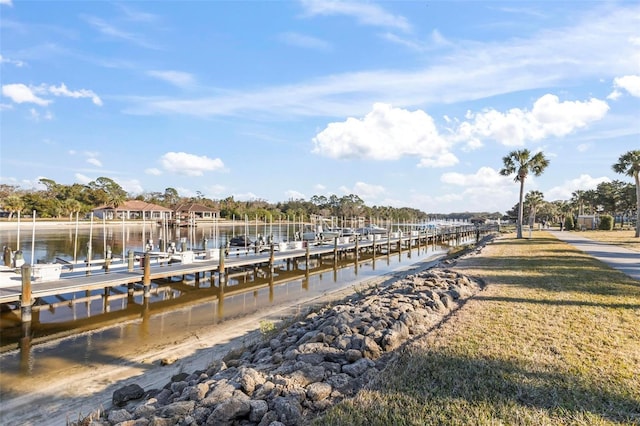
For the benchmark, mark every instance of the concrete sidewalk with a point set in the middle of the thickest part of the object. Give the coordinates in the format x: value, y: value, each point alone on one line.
x: 620, y: 258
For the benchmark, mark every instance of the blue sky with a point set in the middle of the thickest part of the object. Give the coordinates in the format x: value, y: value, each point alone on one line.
x: 405, y: 103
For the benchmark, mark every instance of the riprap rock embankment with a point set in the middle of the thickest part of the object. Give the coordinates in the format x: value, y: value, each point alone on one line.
x: 302, y: 369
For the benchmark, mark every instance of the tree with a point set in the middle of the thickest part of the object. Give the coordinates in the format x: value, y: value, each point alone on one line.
x: 171, y: 197
x: 110, y: 192
x: 522, y: 163
x: 534, y: 199
x: 629, y: 164
x: 13, y: 204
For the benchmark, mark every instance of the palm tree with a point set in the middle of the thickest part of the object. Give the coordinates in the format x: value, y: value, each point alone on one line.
x: 629, y: 164
x: 13, y: 204
x: 522, y: 163
x: 533, y: 199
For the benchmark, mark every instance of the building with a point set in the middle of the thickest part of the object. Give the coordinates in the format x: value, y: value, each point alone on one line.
x: 133, y: 209
x: 197, y: 211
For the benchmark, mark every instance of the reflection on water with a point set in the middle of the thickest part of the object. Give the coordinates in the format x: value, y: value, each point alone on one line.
x: 71, y: 242
x: 75, y: 333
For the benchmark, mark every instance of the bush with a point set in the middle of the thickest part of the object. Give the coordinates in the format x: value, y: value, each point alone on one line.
x: 568, y: 223
x: 606, y: 223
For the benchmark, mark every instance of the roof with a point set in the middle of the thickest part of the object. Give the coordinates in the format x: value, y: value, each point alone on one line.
x: 194, y: 207
x: 135, y: 205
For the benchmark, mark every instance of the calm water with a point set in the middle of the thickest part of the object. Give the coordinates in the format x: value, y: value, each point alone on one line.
x: 75, y: 333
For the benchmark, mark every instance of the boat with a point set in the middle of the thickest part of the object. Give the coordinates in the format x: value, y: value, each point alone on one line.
x: 241, y: 241
x: 372, y: 230
x: 349, y: 232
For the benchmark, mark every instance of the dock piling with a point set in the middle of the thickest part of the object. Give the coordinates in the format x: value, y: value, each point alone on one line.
x: 146, y: 278
x: 26, y: 299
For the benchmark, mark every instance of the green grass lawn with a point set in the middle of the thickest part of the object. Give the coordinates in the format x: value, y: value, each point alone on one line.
x: 554, y: 339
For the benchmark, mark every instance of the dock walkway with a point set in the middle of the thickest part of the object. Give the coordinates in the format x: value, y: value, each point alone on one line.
x: 11, y: 285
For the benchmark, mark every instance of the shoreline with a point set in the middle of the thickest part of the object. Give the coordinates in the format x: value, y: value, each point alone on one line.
x: 69, y: 398
x: 43, y: 224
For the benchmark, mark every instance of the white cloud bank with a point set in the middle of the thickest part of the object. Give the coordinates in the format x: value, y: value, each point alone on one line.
x: 548, y: 118
x: 189, y: 164
x: 568, y: 187
x: 386, y: 133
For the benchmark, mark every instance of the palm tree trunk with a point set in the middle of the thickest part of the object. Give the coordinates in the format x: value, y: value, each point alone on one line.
x: 637, y: 179
x: 520, y: 211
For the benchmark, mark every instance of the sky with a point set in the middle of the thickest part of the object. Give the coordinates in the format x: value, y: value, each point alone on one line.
x: 403, y: 103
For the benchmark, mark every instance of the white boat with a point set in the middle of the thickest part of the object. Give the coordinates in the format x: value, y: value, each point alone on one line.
x: 372, y: 230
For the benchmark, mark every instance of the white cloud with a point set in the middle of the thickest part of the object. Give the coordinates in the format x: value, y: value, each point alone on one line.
x: 630, y: 83
x: 484, y: 177
x: 35, y: 115
x: 114, y: 32
x: 305, y: 41
x: 248, y: 196
x: 14, y: 62
x: 177, y: 78
x: 19, y: 93
x: 214, y: 191
x: 80, y: 178
x: 6, y: 2
x: 385, y: 133
x: 435, y: 41
x: 132, y: 186
x: 189, y: 164
x: 294, y: 195
x: 548, y: 117
x: 364, y: 13
x: 153, y: 171
x: 582, y: 182
x: 62, y: 90
x: 94, y: 161
x: 365, y: 191
x: 584, y: 147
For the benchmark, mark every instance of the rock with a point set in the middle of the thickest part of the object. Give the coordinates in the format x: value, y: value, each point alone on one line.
x: 119, y: 416
x: 228, y: 410
x: 318, y: 391
x: 259, y: 408
x: 289, y: 412
x: 358, y: 368
x: 126, y: 393
x: 168, y: 360
x: 180, y: 408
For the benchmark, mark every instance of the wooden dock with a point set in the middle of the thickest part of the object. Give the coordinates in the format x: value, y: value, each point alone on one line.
x: 26, y: 293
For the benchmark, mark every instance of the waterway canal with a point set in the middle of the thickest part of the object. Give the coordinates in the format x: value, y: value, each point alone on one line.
x: 78, y: 334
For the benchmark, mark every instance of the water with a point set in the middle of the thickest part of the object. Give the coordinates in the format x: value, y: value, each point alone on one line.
x: 78, y: 333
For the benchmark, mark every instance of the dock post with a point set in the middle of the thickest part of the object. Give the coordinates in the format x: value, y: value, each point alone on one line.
x: 357, y: 250
x: 388, y: 246
x: 306, y: 256
x: 146, y: 278
x: 107, y: 305
x: 25, y: 298
x: 271, y: 258
x: 130, y: 260
x: 221, y: 277
x: 335, y: 251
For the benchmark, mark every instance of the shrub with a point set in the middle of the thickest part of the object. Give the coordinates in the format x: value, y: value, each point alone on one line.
x: 606, y: 222
x: 568, y: 223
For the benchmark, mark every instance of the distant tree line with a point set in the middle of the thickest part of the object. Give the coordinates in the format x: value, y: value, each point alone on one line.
x: 59, y: 200
x: 617, y: 198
